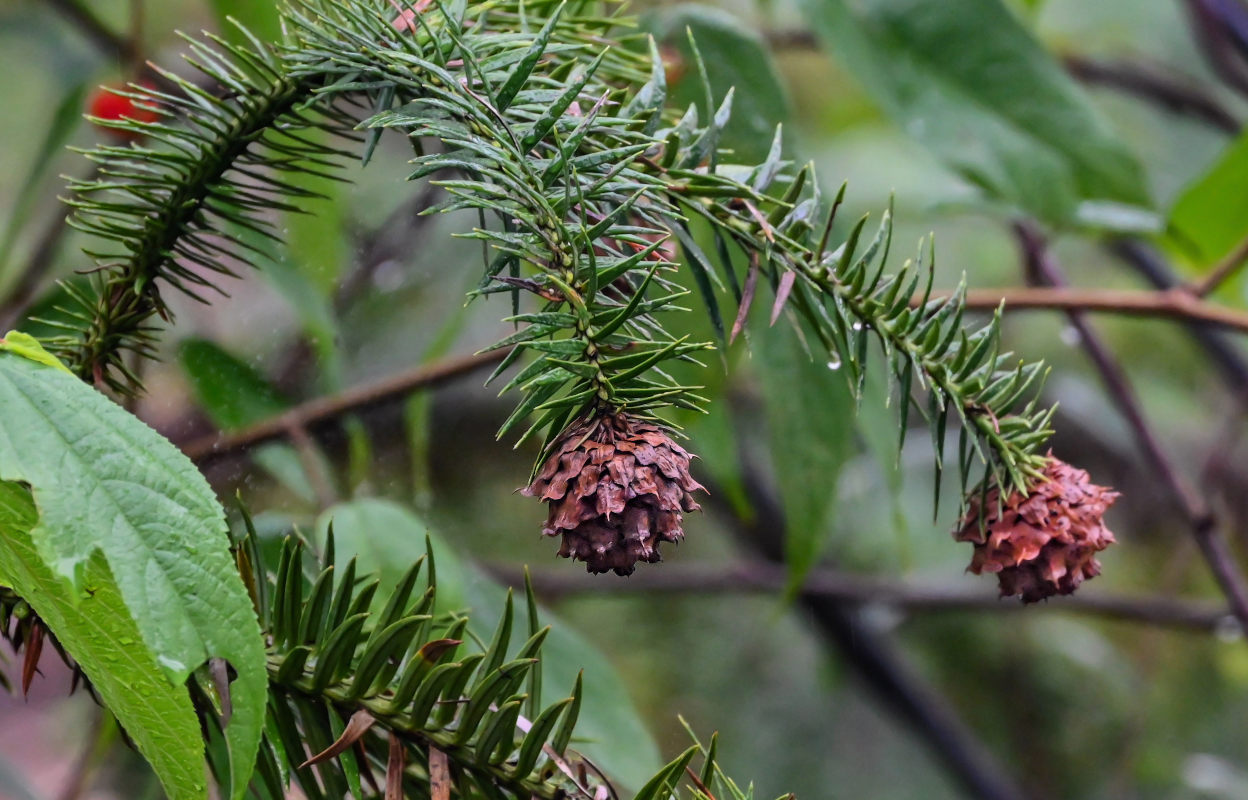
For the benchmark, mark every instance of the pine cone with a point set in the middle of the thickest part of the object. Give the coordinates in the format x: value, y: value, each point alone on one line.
x: 1045, y: 542
x: 617, y: 487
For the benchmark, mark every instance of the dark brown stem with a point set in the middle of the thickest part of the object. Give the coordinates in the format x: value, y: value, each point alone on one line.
x: 1042, y: 268
x: 395, y: 237
x: 791, y: 39
x: 134, y: 38
x: 860, y: 590
x: 330, y: 408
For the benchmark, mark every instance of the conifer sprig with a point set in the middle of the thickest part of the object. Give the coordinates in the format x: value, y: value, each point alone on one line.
x: 359, y: 687
x: 586, y: 184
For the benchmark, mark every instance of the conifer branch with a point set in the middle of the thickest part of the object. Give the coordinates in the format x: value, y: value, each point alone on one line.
x: 352, y: 678
x: 589, y: 184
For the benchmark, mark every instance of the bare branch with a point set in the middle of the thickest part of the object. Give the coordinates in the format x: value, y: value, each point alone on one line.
x: 1176, y: 304
x: 329, y: 408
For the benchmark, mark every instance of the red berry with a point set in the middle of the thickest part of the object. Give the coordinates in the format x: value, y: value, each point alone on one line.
x: 106, y: 105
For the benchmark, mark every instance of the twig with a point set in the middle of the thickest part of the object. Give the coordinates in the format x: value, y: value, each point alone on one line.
x: 397, y: 235
x: 24, y: 288
x: 862, y: 590
x: 327, y: 409
x: 1042, y: 268
x: 1148, y: 83
x: 394, y: 237
x: 1233, y: 262
x: 1175, y: 304
x: 134, y: 38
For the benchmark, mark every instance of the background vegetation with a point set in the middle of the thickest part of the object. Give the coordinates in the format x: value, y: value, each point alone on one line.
x: 891, y: 674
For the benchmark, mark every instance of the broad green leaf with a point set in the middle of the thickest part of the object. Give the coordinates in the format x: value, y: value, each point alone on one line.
x: 810, y: 421
x: 107, y: 486
x: 387, y: 538
x: 1211, y: 215
x: 94, y: 626
x: 735, y: 56
x: 966, y: 79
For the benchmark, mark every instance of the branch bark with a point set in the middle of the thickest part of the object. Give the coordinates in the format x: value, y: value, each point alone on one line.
x: 1175, y: 304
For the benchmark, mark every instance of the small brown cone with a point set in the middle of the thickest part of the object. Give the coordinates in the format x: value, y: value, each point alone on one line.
x: 1042, y: 543
x: 617, y: 487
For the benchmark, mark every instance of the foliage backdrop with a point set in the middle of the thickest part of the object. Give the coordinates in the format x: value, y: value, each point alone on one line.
x: 905, y: 100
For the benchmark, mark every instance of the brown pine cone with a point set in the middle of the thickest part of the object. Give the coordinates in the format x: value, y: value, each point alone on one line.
x: 617, y: 487
x: 1042, y: 543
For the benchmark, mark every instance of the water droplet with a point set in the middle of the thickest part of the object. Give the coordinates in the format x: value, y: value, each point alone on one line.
x: 1070, y: 336
x: 1228, y: 630
x: 857, y: 326
x: 171, y: 664
x: 834, y: 363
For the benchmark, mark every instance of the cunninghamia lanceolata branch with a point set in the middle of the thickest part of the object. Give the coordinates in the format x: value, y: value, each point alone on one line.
x: 589, y: 183
x: 359, y: 687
